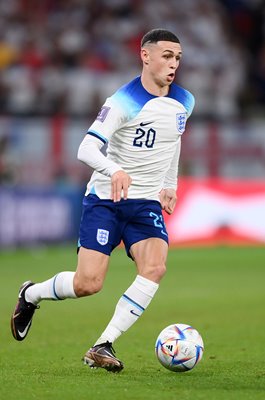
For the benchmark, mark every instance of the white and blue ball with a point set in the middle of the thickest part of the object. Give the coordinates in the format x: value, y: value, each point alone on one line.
x: 179, y: 347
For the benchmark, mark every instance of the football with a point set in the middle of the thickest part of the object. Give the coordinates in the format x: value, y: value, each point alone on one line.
x: 179, y: 347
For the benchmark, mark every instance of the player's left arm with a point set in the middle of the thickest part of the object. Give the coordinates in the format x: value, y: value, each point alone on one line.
x: 168, y: 196
x: 168, y: 199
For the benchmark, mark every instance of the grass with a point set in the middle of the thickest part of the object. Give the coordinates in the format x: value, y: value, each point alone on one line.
x: 220, y: 291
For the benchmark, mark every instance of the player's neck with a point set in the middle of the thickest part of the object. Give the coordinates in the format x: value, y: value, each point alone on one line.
x: 152, y: 88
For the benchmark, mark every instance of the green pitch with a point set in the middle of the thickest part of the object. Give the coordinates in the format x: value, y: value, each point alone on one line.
x: 220, y: 291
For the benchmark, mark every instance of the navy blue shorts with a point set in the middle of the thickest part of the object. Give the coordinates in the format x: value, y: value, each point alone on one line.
x: 104, y: 224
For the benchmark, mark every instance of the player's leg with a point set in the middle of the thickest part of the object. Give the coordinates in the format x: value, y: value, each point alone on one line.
x: 150, y: 258
x: 150, y: 255
x: 30, y: 294
x: 96, y: 229
x: 88, y: 279
x: 91, y: 271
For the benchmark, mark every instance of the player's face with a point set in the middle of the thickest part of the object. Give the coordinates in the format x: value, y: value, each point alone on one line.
x: 162, y: 60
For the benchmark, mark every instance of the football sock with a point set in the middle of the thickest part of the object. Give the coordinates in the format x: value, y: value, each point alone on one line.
x: 58, y: 287
x: 129, y: 308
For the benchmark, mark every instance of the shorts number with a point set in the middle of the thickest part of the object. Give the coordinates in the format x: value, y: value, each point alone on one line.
x: 145, y: 137
x: 159, y: 222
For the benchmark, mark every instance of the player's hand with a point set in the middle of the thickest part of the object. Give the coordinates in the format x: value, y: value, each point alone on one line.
x: 120, y: 183
x: 168, y: 199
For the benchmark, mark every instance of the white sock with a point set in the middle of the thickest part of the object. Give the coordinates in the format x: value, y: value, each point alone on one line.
x: 129, y: 308
x: 59, y: 287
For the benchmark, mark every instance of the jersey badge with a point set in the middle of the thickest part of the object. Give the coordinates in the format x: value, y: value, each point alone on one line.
x: 103, y: 113
x: 181, y: 122
x: 102, y: 236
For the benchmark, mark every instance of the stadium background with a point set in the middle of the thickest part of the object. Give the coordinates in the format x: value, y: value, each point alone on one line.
x: 59, y: 60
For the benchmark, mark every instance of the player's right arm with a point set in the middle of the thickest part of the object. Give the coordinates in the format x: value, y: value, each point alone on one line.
x: 107, y: 122
x: 120, y: 183
x: 89, y: 153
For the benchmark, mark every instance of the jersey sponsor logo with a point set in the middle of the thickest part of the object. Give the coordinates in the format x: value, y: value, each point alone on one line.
x: 102, y: 236
x: 146, y: 123
x: 103, y: 114
x: 181, y: 122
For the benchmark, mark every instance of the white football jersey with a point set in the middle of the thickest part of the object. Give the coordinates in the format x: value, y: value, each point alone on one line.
x: 143, y: 133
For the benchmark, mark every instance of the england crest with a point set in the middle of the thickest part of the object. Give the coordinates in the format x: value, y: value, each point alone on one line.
x: 102, y: 236
x: 181, y: 122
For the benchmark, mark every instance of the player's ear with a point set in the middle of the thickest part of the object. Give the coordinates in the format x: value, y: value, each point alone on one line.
x: 145, y: 56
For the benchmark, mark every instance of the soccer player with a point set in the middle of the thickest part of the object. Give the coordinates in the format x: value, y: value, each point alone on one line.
x: 142, y: 123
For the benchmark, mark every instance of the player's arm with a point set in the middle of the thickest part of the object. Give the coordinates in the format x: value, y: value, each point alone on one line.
x: 168, y: 197
x: 89, y: 153
x: 111, y: 116
x: 99, y: 133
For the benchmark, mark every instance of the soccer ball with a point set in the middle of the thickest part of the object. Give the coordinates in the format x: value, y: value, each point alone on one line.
x: 179, y: 347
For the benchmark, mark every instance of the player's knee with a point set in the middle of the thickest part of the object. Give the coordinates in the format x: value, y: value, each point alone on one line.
x: 160, y: 271
x: 155, y: 272
x: 87, y: 286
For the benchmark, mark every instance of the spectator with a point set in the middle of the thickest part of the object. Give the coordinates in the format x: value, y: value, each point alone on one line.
x: 64, y: 55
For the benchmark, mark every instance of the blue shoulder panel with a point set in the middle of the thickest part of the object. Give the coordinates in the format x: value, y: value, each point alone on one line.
x: 183, y: 96
x: 132, y: 97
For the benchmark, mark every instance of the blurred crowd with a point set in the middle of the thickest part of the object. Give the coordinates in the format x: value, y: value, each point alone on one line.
x: 67, y: 56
